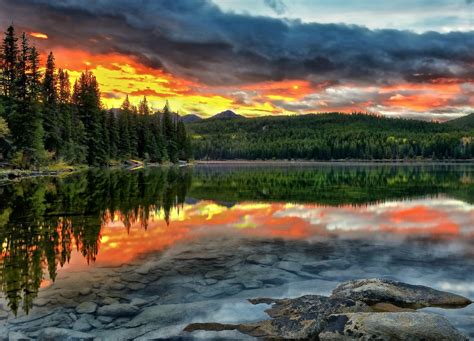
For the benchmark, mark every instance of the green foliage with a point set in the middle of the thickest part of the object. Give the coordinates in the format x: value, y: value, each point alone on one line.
x: 465, y: 122
x: 49, y: 124
x: 4, y: 130
x: 328, y: 136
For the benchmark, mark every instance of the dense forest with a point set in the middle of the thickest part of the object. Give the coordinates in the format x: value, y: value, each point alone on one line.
x: 43, y: 120
x: 329, y: 136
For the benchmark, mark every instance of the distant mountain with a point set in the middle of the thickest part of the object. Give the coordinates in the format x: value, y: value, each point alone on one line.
x: 190, y: 118
x: 226, y: 114
x: 465, y: 122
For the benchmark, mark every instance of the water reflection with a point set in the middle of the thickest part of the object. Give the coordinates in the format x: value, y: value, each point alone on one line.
x: 119, y: 214
x: 43, y: 220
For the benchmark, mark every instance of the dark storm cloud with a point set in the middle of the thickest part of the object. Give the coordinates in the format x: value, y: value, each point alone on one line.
x: 195, y: 39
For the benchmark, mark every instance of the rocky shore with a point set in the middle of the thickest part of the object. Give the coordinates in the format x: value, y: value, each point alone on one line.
x: 368, y: 309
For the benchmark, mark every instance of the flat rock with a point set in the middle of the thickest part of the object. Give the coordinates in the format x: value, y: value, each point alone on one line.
x: 289, y: 266
x: 298, y: 318
x: 389, y: 326
x: 138, y: 301
x: 86, y: 308
x: 118, y: 310
x: 53, y: 333
x: 372, y: 291
x: 82, y: 324
x: 265, y: 259
x: 17, y: 336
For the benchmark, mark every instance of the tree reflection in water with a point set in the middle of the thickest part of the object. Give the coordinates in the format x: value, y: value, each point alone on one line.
x: 43, y: 220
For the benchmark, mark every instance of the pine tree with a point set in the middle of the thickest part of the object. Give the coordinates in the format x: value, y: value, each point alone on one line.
x: 68, y: 149
x: 51, y: 119
x: 182, y: 141
x: 114, y: 135
x: 124, y: 149
x: 169, y: 134
x: 86, y: 98
x: 143, y: 108
x: 32, y: 126
x: 9, y: 63
x: 8, y: 80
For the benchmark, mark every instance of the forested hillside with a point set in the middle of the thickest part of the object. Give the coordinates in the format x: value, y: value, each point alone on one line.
x: 43, y: 120
x: 329, y: 136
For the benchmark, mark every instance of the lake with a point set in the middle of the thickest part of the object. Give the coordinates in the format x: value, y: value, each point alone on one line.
x: 192, y: 244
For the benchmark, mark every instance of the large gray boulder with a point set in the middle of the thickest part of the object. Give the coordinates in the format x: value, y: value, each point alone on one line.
x: 372, y: 291
x: 298, y: 318
x: 389, y: 326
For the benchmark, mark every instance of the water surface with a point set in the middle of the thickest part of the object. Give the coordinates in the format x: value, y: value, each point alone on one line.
x: 191, y: 244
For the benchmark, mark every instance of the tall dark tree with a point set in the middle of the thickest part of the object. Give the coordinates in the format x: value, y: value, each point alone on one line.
x: 169, y: 133
x: 124, y: 149
x: 33, y: 153
x: 88, y: 105
x: 114, y: 135
x: 9, y: 63
x: 51, y: 118
x: 143, y: 107
x: 182, y: 141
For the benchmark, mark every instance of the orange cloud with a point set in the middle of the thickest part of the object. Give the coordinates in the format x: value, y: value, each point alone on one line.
x: 39, y: 35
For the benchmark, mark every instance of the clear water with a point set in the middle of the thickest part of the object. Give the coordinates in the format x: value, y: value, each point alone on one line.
x: 191, y: 244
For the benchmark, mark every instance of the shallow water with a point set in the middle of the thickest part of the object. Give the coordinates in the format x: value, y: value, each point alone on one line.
x: 192, y: 244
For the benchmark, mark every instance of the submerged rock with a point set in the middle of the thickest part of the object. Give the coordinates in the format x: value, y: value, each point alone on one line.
x: 372, y: 291
x: 53, y: 333
x: 86, y: 308
x: 297, y: 318
x: 265, y: 259
x: 118, y: 310
x: 389, y: 326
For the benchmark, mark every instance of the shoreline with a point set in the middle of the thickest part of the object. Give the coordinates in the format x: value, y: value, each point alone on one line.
x: 337, y: 162
x: 19, y: 174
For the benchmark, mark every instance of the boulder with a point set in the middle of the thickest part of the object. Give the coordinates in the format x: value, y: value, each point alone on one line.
x: 298, y: 318
x: 263, y: 259
x: 118, y: 310
x: 372, y: 291
x: 389, y: 326
x: 86, y: 308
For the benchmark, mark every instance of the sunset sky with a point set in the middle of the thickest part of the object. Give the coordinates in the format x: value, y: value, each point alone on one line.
x: 264, y: 57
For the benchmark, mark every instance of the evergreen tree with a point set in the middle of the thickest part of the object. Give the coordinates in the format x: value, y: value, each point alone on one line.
x: 51, y: 118
x: 114, y: 135
x: 169, y: 134
x: 143, y: 108
x: 124, y: 149
x: 182, y: 141
x: 9, y: 63
x: 86, y: 98
x: 33, y: 153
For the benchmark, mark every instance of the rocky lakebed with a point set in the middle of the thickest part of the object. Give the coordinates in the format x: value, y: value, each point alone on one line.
x: 246, y: 288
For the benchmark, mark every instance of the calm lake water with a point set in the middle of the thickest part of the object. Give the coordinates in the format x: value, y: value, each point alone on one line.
x: 191, y: 244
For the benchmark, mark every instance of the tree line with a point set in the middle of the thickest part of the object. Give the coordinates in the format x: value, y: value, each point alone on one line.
x: 329, y: 136
x: 43, y: 119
